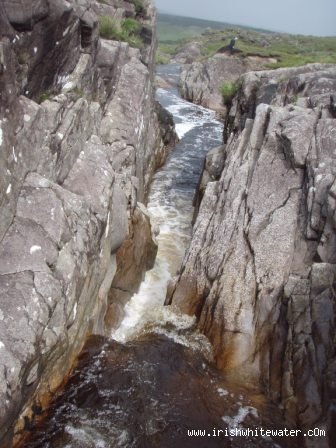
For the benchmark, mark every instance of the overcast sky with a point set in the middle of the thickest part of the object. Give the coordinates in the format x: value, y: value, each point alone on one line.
x: 317, y: 17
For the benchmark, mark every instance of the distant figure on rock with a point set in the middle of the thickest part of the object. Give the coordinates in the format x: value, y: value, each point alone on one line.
x: 230, y: 48
x: 232, y: 44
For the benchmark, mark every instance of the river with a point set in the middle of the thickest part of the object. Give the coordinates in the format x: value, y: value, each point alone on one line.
x: 153, y: 379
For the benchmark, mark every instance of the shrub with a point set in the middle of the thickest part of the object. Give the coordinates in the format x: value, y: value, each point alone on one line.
x: 228, y: 91
x: 128, y: 30
x: 140, y: 9
x: 108, y: 28
x: 130, y: 27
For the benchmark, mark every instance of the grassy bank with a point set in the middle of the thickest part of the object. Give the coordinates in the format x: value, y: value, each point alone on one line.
x: 287, y: 50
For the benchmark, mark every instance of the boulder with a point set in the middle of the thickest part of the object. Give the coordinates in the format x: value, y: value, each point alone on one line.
x: 188, y: 53
x: 201, y: 81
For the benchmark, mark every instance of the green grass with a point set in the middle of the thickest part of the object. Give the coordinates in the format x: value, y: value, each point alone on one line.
x: 130, y: 27
x: 288, y: 50
x: 228, y: 91
x: 44, y: 96
x: 174, y: 33
x: 108, y: 28
x: 165, y: 52
x: 126, y: 30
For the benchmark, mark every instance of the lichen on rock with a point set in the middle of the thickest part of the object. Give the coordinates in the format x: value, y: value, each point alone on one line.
x: 260, y: 270
x: 80, y: 140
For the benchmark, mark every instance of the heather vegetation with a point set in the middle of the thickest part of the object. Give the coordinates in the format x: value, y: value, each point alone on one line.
x: 284, y: 50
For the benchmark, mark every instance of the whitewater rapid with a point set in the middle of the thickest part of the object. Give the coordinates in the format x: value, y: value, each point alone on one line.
x: 171, y: 210
x: 154, y: 380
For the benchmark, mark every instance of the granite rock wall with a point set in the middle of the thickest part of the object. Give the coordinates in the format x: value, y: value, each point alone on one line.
x: 79, y: 142
x: 260, y: 272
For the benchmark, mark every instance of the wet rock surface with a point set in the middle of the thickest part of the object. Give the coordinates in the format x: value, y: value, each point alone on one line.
x: 136, y: 254
x: 79, y: 140
x: 260, y: 270
x: 167, y: 124
x: 151, y: 392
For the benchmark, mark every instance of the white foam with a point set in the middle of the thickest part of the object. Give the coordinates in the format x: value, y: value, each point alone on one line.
x: 123, y: 438
x: 86, y: 435
x: 150, y: 298
x: 236, y: 420
x: 190, y: 115
x: 171, y: 210
x: 183, y: 128
x: 151, y: 294
x: 222, y: 392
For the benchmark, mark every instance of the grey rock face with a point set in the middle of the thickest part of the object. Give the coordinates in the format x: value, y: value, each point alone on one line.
x: 260, y: 270
x: 23, y: 14
x: 201, y: 82
x: 188, y: 53
x: 137, y: 253
x: 167, y: 125
x: 79, y: 141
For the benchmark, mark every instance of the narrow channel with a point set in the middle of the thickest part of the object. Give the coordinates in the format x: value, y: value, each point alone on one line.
x: 154, y: 379
x: 170, y: 204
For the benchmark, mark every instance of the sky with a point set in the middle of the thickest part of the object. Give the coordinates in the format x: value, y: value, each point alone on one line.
x: 316, y: 17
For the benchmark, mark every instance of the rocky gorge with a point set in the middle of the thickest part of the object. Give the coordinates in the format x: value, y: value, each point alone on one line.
x: 80, y: 140
x: 260, y: 270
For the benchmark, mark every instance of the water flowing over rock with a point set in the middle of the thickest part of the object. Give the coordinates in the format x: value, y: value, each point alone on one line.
x: 260, y: 270
x: 79, y: 141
